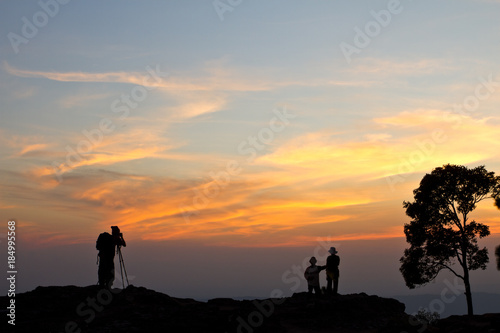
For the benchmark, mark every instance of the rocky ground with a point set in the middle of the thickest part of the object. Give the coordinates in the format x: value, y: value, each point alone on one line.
x: 137, y: 309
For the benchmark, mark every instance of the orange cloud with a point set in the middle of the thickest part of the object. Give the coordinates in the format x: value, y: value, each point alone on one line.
x: 31, y: 148
x: 435, y: 140
x: 111, y: 149
x: 416, y: 118
x: 232, y: 217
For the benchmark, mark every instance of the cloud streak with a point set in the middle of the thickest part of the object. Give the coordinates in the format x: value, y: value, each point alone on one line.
x: 214, y: 79
x: 330, y: 157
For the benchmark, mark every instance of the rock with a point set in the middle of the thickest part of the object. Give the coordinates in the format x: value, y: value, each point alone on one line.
x: 137, y: 309
x: 487, y: 323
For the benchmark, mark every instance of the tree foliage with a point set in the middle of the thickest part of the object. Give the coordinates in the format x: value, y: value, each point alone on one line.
x: 497, y: 253
x: 441, y: 232
x: 496, y: 195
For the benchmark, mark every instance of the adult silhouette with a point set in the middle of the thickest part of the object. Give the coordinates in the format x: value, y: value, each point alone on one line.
x: 106, y: 245
x: 332, y: 272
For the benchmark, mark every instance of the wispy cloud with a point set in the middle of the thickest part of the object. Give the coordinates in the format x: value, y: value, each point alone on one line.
x: 16, y: 145
x: 382, y: 67
x: 331, y: 157
x: 191, y: 105
x: 120, y: 77
x: 420, y: 118
x: 82, y: 99
x: 212, y: 78
x: 120, y: 147
x: 32, y: 147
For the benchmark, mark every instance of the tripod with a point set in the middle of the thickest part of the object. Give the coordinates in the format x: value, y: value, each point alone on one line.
x: 122, y: 266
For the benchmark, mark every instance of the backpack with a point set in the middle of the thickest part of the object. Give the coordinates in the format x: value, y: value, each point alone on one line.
x: 105, y: 243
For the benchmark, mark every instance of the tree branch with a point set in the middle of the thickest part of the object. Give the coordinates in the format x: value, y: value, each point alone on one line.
x: 480, y: 198
x: 457, y: 219
x: 459, y: 254
x: 451, y: 270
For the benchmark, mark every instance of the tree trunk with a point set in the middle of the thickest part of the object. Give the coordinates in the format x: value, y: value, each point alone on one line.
x: 468, y: 293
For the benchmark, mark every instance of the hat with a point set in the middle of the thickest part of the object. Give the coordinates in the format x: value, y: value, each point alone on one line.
x: 313, y: 260
x: 332, y: 250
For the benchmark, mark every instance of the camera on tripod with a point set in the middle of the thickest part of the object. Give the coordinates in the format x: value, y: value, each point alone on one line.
x: 106, y: 244
x: 119, y: 241
x: 118, y: 236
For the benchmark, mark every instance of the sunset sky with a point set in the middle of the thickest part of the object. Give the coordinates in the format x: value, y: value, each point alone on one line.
x: 237, y: 129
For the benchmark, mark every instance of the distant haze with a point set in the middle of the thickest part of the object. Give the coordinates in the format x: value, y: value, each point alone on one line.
x: 201, y: 272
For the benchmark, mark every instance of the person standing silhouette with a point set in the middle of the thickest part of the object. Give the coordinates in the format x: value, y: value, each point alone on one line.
x: 312, y: 276
x: 332, y: 272
x: 106, y: 245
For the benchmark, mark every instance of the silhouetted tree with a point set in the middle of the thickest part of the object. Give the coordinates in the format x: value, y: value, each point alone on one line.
x: 441, y: 231
x: 496, y: 194
x: 497, y: 253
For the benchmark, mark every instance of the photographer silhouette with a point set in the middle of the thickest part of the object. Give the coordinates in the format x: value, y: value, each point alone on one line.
x: 106, y: 244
